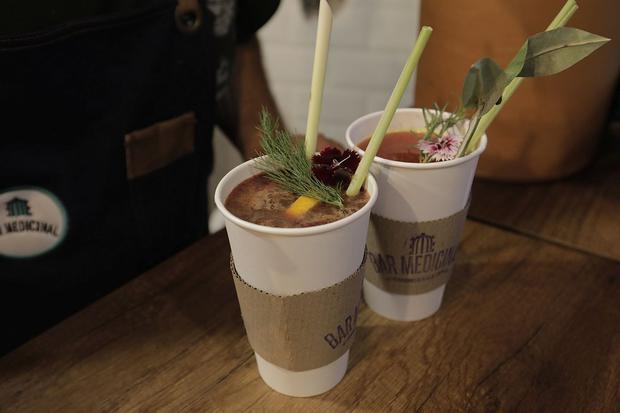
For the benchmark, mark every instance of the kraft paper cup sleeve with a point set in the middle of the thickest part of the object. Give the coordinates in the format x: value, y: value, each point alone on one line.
x: 412, y: 257
x: 302, y: 331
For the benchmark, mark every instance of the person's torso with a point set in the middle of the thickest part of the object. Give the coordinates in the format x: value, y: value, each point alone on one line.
x: 106, y: 142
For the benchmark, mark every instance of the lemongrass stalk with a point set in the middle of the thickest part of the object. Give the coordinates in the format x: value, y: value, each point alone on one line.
x: 386, y: 118
x: 323, y: 31
x: 560, y: 20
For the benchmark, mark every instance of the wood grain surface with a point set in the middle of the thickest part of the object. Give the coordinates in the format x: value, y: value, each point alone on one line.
x: 526, y: 325
x: 581, y: 212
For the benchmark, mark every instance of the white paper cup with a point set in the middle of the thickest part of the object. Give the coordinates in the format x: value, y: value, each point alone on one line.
x: 413, y: 192
x: 287, y: 261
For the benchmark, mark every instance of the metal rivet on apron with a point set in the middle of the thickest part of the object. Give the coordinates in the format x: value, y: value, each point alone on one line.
x: 188, y: 16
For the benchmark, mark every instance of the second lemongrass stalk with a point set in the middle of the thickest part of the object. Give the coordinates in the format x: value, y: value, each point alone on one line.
x: 386, y: 118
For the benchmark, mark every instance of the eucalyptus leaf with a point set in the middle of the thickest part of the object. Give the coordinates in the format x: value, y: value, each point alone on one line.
x: 483, y: 86
x: 553, y: 51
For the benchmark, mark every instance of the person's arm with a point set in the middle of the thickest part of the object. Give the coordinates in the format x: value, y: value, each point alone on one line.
x: 252, y: 93
x: 251, y: 90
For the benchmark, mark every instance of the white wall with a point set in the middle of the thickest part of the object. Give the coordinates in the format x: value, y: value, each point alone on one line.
x: 370, y: 42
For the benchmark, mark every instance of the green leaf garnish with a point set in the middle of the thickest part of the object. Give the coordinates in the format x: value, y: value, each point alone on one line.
x: 542, y: 54
x: 551, y: 52
x: 286, y: 164
x: 484, y: 83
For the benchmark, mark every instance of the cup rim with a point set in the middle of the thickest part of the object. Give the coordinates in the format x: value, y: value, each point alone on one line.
x: 411, y: 165
x: 371, y: 185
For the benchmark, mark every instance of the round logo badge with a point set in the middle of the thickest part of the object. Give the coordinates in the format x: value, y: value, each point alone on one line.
x: 33, y: 221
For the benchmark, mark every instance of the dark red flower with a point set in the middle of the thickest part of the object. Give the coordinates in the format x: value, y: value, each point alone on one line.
x: 324, y: 174
x: 350, y: 160
x: 326, y: 156
x: 333, y: 167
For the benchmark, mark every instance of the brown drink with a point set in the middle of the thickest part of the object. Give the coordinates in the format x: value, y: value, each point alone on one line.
x: 419, y: 201
x: 262, y: 201
x: 398, y: 146
x: 274, y: 267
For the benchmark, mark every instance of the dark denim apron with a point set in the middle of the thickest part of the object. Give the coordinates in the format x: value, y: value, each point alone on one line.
x: 113, y: 115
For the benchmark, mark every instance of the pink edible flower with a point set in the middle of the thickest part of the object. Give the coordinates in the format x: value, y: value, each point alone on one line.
x: 440, y: 149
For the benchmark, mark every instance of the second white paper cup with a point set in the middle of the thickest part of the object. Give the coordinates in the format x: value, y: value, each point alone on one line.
x: 413, y: 192
x: 287, y: 261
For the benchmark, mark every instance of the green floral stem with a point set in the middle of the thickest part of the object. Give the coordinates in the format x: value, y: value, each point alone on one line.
x: 560, y: 20
x: 473, y: 125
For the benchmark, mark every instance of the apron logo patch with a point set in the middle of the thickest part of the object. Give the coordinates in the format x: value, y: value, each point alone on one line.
x: 33, y: 221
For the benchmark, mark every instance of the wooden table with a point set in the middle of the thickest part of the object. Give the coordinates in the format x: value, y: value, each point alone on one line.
x: 530, y: 322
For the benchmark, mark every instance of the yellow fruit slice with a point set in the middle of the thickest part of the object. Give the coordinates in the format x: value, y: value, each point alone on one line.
x: 301, y: 205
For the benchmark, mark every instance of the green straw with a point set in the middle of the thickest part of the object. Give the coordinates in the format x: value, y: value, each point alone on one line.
x: 386, y: 117
x: 559, y: 21
x: 323, y: 30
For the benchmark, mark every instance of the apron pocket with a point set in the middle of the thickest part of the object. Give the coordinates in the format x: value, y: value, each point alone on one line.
x: 157, y: 146
x: 167, y: 187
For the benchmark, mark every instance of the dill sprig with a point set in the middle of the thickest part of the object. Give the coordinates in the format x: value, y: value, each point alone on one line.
x: 286, y: 164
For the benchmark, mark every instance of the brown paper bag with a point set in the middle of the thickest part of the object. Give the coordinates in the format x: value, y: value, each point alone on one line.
x: 551, y: 127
